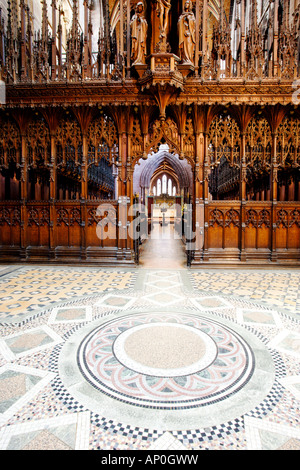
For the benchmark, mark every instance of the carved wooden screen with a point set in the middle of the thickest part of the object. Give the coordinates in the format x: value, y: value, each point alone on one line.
x: 224, y: 141
x: 69, y: 152
x: 38, y: 144
x: 224, y: 156
x: 189, y: 140
x: 102, y: 141
x: 10, y: 144
x: 103, y: 152
x: 38, y: 148
x: 288, y: 143
x: 137, y: 141
x: 163, y: 132
x: 258, y: 146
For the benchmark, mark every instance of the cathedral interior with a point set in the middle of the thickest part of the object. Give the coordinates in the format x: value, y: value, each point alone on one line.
x: 149, y: 224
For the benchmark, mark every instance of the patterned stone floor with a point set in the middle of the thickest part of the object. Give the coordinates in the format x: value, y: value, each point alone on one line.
x: 74, y: 373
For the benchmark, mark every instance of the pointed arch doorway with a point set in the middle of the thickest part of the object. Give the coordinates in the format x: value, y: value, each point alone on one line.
x: 164, y: 184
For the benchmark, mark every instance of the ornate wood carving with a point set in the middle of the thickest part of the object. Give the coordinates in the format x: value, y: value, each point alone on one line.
x: 224, y: 140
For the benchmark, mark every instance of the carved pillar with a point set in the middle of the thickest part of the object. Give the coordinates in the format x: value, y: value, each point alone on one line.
x: 24, y: 189
x: 204, y: 34
x: 84, y: 168
x: 206, y: 169
x: 84, y: 193
x: 243, y: 187
x: 128, y: 39
x: 53, y: 194
x: 199, y: 193
x: 85, y: 40
x: 199, y: 190
x: 23, y: 39
x: 242, y: 65
x: 129, y: 187
x: 275, y: 39
x: 53, y: 41
x: 122, y: 201
x: 53, y: 173
x: 197, y: 38
x: 274, y: 189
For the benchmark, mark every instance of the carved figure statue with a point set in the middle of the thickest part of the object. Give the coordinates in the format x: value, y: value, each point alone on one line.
x: 186, y: 31
x: 139, y: 28
x: 163, y: 8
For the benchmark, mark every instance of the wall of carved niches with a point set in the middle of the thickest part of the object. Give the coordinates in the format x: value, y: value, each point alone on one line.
x: 49, y: 160
x: 258, y: 151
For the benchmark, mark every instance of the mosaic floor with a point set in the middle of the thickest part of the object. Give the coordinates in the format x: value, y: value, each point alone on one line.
x: 149, y: 358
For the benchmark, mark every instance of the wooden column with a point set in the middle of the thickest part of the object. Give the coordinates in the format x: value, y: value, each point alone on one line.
x: 53, y: 196
x: 128, y: 38
x: 274, y: 190
x: 53, y: 172
x: 84, y: 168
x: 85, y: 40
x: 53, y: 41
x: 197, y: 37
x: 129, y: 188
x: 23, y: 39
x: 204, y: 34
x: 121, y: 27
x: 122, y: 201
x: 24, y: 195
x: 206, y: 168
x: 243, y: 187
x: 275, y: 39
x: 84, y: 193
x: 199, y: 120
x: 242, y: 64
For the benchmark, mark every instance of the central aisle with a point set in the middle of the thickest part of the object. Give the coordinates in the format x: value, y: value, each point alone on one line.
x: 163, y: 249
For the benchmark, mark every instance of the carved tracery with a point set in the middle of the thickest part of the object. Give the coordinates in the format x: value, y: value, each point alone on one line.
x: 161, y: 132
x: 288, y: 143
x: 258, y: 144
x: 10, y: 143
x: 38, y: 143
x: 224, y: 141
x: 102, y: 140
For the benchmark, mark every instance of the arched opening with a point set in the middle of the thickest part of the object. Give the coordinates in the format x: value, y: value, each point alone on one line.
x: 164, y: 184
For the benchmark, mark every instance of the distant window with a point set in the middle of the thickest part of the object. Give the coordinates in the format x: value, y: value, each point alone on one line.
x: 164, y: 184
x: 158, y: 187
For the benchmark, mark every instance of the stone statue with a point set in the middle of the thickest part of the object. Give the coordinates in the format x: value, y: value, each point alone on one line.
x: 139, y: 28
x: 187, y: 31
x: 163, y: 9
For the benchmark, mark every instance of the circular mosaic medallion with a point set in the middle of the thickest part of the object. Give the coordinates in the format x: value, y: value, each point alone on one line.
x: 164, y: 349
x: 165, y: 361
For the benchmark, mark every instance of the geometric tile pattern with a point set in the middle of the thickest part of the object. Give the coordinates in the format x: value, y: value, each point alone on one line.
x: 71, y: 314
x: 267, y: 435
x: 278, y: 288
x: 292, y: 383
x: 164, y: 288
x: 116, y: 301
x: 27, y: 291
x: 69, y: 432
x: 211, y: 303
x: 18, y: 385
x: 42, y: 308
x: 287, y: 342
x: 29, y: 341
x: 256, y: 317
x: 222, y: 373
x: 167, y: 442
